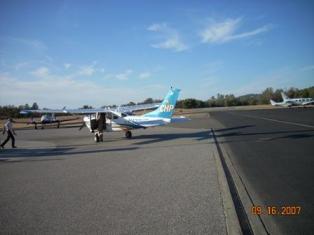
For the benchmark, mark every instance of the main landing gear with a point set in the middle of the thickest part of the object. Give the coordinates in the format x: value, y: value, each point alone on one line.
x: 98, y: 137
x: 128, y: 134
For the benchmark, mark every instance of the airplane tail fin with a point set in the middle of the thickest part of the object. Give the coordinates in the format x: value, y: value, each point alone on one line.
x: 166, y: 108
x: 284, y: 96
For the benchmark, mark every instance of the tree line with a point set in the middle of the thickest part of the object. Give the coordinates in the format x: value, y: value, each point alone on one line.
x: 220, y: 100
x: 14, y: 111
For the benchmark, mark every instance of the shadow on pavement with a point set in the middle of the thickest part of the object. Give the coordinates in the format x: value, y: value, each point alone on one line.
x: 155, y: 138
x: 234, y: 128
x: 49, y: 152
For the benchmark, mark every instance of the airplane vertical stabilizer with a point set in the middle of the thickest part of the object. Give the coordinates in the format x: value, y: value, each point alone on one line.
x: 284, y: 96
x: 166, y: 109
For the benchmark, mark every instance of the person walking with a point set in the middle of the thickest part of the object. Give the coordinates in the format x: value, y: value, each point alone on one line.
x: 8, y: 127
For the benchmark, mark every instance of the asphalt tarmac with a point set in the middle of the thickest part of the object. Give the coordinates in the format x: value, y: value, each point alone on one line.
x: 273, y: 153
x: 163, y: 181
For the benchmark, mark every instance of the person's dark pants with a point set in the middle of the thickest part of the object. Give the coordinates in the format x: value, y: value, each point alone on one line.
x: 10, y: 136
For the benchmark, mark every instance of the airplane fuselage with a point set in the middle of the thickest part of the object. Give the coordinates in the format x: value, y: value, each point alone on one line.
x: 48, y: 118
x: 288, y: 102
x: 299, y: 101
x: 126, y: 123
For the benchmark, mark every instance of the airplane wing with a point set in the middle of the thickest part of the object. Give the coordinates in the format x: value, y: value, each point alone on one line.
x: 138, y: 107
x: 120, y: 109
x: 88, y: 111
x: 43, y: 111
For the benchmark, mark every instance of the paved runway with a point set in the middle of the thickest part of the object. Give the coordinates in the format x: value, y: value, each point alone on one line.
x: 273, y: 152
x: 163, y: 181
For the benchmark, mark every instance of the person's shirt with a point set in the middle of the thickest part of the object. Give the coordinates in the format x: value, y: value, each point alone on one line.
x: 8, y: 126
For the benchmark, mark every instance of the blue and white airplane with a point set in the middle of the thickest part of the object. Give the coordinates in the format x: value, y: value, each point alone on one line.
x: 118, y: 119
x: 108, y: 120
x: 288, y: 102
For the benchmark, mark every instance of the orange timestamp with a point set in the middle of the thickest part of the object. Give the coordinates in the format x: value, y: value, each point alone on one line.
x: 276, y: 210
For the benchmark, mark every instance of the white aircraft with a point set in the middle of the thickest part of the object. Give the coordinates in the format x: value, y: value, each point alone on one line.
x: 287, y: 102
x: 108, y: 119
x: 48, y: 117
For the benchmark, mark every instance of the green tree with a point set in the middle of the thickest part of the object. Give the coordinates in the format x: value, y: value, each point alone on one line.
x: 266, y: 95
x: 311, y: 92
x: 85, y: 106
x: 148, y: 101
x: 34, y: 106
x: 292, y: 92
x: 27, y: 107
x: 131, y: 103
x: 277, y: 95
x: 230, y: 100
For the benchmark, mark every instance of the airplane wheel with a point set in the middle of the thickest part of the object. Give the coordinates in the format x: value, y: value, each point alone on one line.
x: 128, y: 134
x: 96, y: 138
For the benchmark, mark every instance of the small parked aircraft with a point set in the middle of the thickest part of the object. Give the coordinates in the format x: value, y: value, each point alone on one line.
x: 48, y: 117
x: 117, y: 119
x: 288, y: 102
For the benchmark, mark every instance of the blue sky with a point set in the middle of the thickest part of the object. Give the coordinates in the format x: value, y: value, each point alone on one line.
x: 72, y: 53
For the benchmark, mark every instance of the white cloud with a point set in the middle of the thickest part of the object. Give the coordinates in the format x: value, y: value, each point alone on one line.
x: 227, y: 30
x: 58, y: 91
x: 41, y: 72
x: 125, y: 75
x: 157, y: 27
x: 172, y: 42
x: 145, y: 75
x: 262, y: 29
x: 170, y: 38
x: 219, y: 32
x: 86, y: 70
x: 67, y: 65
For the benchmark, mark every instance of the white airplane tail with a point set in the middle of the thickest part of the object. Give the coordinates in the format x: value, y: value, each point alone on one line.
x: 284, y: 96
